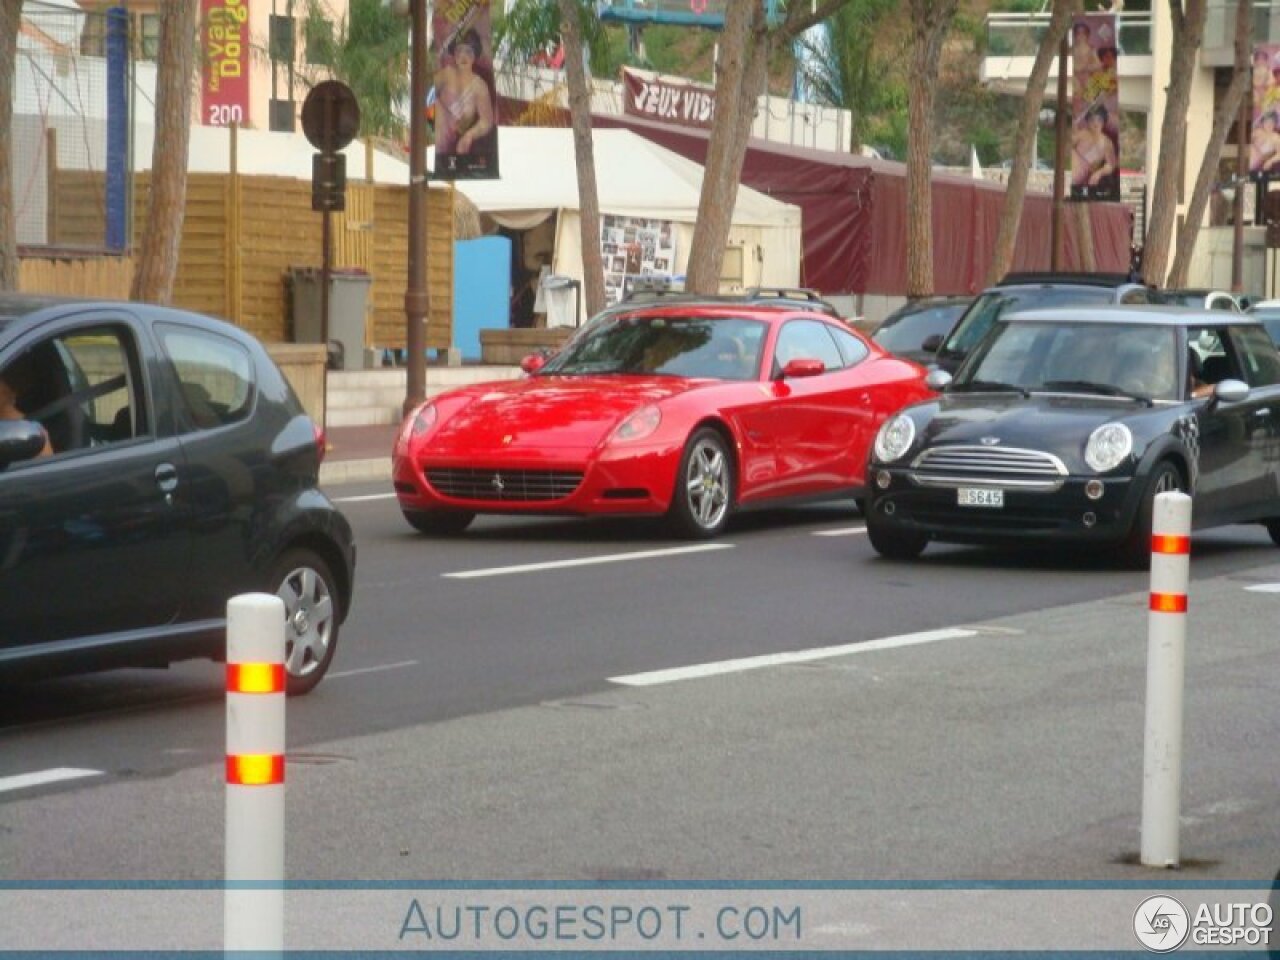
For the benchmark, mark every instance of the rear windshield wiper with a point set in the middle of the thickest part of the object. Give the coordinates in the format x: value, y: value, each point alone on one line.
x: 1089, y: 386
x: 992, y: 385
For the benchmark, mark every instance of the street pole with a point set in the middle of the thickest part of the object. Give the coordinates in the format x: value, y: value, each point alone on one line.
x: 1060, y: 154
x: 415, y: 294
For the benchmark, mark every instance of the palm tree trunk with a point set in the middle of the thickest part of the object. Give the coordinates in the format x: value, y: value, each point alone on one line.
x: 584, y: 155
x: 1028, y: 124
x: 10, y: 18
x: 1228, y: 109
x: 1188, y: 32
x: 158, y: 259
x: 931, y: 18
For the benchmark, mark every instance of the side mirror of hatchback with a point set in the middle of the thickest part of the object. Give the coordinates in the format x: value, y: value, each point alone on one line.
x: 19, y: 440
x: 932, y: 343
x: 1231, y: 391
x: 937, y: 379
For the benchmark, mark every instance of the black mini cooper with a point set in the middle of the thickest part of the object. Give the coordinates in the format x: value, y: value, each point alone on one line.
x: 1064, y: 424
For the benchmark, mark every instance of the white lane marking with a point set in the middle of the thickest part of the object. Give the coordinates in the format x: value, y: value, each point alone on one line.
x: 843, y: 532
x: 586, y: 561
x: 41, y: 777
x: 701, y: 670
x: 360, y: 670
x: 1264, y: 588
x: 368, y: 496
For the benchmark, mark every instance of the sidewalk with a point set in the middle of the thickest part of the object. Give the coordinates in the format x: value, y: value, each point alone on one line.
x: 358, y: 454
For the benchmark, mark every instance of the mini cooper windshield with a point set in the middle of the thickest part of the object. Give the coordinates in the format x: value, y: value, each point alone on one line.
x: 1138, y: 361
x: 721, y: 348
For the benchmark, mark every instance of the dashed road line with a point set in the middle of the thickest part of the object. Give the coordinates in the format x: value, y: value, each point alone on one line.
x: 358, y: 671
x: 703, y: 670
x: 364, y: 498
x: 842, y: 532
x: 585, y: 561
x: 42, y: 778
x: 1264, y: 588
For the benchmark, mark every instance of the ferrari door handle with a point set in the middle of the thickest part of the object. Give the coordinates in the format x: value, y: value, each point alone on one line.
x: 166, y: 478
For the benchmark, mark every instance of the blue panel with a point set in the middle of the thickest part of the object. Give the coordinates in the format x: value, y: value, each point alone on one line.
x: 481, y: 291
x: 117, y: 127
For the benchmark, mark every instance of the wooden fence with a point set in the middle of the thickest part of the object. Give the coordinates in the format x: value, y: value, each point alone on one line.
x: 240, y: 237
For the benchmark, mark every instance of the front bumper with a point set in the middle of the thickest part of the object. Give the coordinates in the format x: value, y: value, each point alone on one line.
x: 1065, y: 514
x: 635, y: 480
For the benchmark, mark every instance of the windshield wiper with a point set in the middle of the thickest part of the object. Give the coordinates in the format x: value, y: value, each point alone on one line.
x: 1090, y: 386
x: 993, y: 385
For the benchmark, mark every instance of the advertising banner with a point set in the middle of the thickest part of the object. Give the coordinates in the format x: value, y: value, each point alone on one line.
x: 1095, y: 108
x: 466, y: 102
x: 1264, y: 142
x: 634, y: 247
x: 667, y: 100
x: 224, y: 79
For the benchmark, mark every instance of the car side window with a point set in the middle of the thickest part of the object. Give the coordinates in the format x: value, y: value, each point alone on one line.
x: 83, y: 387
x: 852, y: 350
x: 1258, y: 354
x: 1214, y: 354
x: 805, y: 339
x: 215, y: 375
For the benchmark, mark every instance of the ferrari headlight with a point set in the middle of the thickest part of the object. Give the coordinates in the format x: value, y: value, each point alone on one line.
x: 639, y: 424
x: 895, y: 438
x: 417, y: 423
x: 1108, y: 447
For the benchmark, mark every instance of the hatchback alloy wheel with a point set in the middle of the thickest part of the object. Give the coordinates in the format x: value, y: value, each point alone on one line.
x: 311, y: 618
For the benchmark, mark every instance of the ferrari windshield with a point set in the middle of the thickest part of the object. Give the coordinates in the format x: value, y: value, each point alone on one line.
x: 1107, y: 359
x: 721, y: 348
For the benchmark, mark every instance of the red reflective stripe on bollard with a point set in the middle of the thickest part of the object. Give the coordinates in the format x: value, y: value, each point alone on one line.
x: 1169, y: 602
x: 255, y: 769
x: 255, y: 678
x: 1168, y: 543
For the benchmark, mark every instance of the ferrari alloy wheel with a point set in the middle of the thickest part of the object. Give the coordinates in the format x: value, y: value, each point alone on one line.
x: 891, y: 542
x: 1136, y: 549
x: 302, y: 580
x: 704, y: 486
x: 441, y: 523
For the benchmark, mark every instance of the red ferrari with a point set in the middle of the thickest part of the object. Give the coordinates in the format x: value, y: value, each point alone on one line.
x: 690, y: 410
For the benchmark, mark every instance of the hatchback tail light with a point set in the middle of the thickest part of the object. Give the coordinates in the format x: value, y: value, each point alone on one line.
x: 322, y: 443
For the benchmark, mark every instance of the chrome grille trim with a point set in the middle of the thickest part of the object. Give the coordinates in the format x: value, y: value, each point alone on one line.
x: 514, y: 486
x: 975, y: 466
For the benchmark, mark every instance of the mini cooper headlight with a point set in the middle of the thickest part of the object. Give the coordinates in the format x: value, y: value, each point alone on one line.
x: 895, y: 438
x: 1108, y: 447
x: 639, y: 424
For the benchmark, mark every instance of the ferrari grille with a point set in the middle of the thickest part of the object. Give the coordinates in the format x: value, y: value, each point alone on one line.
x: 959, y: 466
x: 522, y: 486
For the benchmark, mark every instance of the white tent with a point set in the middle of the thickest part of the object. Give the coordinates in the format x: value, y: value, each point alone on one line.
x: 635, y: 178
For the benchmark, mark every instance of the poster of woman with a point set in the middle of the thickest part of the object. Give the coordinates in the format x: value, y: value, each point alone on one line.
x: 466, y: 104
x: 1095, y: 129
x: 1264, y: 138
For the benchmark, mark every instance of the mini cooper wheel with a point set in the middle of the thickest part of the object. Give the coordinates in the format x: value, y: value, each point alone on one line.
x: 1135, y: 551
x: 302, y: 580
x: 893, y: 543
x: 441, y: 523
x: 700, y: 507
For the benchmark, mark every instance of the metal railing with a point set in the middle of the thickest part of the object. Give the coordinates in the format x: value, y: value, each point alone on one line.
x: 1020, y: 34
x: 1220, y: 23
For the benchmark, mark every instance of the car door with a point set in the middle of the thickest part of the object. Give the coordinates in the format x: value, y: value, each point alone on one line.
x: 91, y: 541
x: 1230, y: 435
x: 807, y: 421
x: 1260, y: 362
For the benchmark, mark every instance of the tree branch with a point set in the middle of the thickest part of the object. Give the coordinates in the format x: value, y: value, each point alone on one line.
x: 798, y: 22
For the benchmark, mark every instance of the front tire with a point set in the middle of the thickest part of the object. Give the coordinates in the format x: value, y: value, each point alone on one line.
x: 440, y: 523
x: 312, y: 615
x: 1273, y: 528
x: 893, y: 543
x: 1135, y: 551
x: 703, y: 497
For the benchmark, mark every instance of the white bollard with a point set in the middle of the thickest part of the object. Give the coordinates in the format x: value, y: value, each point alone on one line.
x: 1166, y: 670
x: 253, y: 901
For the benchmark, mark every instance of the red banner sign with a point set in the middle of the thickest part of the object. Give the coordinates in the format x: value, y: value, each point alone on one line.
x: 224, y: 84
x: 669, y: 101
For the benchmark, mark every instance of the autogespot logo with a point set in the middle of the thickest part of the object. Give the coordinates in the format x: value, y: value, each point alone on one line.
x: 1161, y: 924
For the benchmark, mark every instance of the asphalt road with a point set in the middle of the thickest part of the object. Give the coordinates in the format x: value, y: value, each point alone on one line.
x: 458, y: 650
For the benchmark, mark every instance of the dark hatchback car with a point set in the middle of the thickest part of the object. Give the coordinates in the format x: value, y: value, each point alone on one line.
x: 183, y: 472
x: 1065, y: 424
x: 1033, y: 291
x: 916, y: 330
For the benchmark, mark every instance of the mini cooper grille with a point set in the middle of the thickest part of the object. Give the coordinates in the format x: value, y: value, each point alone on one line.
x: 988, y: 466
x: 472, y: 483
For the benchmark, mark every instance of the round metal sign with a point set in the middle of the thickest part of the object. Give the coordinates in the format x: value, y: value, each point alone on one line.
x: 330, y: 116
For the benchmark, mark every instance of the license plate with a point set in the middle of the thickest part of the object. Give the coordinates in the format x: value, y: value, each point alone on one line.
x: 979, y: 497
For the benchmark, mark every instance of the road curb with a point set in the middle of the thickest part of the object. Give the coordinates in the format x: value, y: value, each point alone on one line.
x: 355, y: 471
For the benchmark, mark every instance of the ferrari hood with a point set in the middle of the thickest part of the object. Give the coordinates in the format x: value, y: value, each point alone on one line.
x: 545, y: 412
